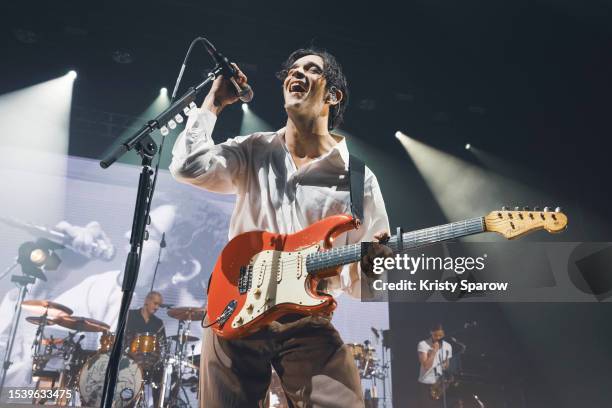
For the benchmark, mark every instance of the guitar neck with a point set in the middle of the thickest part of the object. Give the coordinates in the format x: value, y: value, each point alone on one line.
x: 352, y: 253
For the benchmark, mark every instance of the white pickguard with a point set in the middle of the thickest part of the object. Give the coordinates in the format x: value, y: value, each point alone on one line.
x: 277, y: 277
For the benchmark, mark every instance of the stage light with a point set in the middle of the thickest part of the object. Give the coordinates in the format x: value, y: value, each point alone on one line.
x: 399, y: 134
x: 30, y: 153
x: 245, y: 107
x: 163, y: 91
x: 72, y: 74
x: 37, y: 257
x: 468, y: 146
x: 463, y: 188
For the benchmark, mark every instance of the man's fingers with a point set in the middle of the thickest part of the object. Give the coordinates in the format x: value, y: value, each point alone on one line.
x: 381, y: 236
x: 242, y: 78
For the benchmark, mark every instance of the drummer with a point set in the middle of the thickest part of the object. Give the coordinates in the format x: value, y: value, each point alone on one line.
x: 143, y: 320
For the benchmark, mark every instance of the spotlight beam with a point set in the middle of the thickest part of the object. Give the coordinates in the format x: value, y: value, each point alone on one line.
x: 463, y: 189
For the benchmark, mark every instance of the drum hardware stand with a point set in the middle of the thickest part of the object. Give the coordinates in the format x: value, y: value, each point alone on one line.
x: 182, y: 334
x: 383, y: 373
x: 69, y: 356
x: 146, y: 147
x: 162, y: 245
x: 22, y: 281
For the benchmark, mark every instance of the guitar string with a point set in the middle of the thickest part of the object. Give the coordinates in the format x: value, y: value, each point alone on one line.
x: 418, y: 235
x: 328, y: 258
x: 424, y: 236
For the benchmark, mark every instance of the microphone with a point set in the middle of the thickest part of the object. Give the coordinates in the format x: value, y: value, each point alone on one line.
x: 162, y: 243
x: 454, y: 340
x: 244, y: 92
x: 57, y: 237
x: 375, y: 332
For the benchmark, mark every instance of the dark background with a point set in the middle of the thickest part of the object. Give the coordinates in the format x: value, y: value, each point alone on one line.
x: 527, y: 81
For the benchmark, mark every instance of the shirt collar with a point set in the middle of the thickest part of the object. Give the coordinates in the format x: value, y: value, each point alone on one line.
x: 338, y: 152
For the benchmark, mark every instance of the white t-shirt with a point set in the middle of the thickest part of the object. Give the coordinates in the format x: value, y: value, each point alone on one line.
x: 435, y: 371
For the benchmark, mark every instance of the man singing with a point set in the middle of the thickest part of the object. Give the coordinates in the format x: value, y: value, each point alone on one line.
x: 434, y: 356
x: 284, y: 181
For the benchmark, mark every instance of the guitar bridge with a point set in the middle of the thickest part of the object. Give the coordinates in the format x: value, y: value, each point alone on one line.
x: 246, y: 279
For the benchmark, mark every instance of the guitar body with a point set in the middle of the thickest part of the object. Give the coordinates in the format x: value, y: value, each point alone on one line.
x: 261, y: 276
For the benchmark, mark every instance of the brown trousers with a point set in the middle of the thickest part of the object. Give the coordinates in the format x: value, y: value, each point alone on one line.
x: 315, y: 368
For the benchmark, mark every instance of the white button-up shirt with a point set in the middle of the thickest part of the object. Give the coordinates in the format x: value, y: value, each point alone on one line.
x: 272, y: 193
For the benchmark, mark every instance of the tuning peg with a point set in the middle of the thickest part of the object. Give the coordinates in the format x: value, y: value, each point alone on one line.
x: 536, y: 208
x: 517, y: 208
x: 504, y: 208
x: 526, y: 208
x: 546, y: 209
x: 558, y: 209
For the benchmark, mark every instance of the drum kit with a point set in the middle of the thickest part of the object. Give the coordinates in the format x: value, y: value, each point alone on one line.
x: 366, y: 359
x: 371, y: 369
x: 148, y: 361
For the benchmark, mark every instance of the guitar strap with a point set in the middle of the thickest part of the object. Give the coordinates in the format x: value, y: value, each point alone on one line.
x: 356, y: 179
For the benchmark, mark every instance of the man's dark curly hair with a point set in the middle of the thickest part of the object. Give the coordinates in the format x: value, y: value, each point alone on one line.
x: 332, y: 71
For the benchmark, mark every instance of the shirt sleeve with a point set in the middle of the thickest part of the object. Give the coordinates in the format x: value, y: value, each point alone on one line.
x: 198, y: 161
x: 375, y: 220
x: 423, y: 347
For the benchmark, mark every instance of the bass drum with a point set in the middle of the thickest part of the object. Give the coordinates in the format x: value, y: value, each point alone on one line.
x: 91, y: 381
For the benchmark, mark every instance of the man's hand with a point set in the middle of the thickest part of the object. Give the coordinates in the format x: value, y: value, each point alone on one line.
x: 375, y: 250
x: 223, y: 92
x: 90, y: 241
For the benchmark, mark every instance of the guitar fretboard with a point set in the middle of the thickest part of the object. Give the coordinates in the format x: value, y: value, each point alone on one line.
x: 352, y: 253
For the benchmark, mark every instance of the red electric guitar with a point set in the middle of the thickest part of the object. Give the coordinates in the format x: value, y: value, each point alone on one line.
x: 261, y: 276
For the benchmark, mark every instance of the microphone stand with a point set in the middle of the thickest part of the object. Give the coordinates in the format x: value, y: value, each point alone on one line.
x: 162, y: 245
x: 444, y: 375
x: 146, y: 147
x: 22, y: 282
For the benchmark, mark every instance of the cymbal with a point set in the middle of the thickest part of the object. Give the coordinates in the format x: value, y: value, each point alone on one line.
x: 37, y: 320
x: 52, y: 340
x: 82, y: 324
x: 184, y: 338
x: 186, y: 313
x: 41, y: 307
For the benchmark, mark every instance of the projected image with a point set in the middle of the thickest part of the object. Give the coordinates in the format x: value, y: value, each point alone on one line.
x: 82, y: 216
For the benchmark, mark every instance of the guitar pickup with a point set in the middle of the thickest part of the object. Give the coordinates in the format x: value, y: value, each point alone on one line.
x: 246, y: 279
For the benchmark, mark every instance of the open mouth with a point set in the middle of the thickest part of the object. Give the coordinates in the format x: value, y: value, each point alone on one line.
x: 297, y: 88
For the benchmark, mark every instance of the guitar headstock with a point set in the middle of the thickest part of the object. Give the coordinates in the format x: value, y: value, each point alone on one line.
x: 515, y: 223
